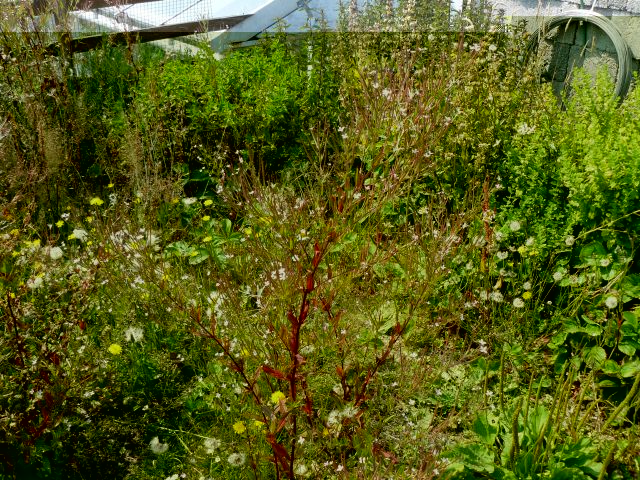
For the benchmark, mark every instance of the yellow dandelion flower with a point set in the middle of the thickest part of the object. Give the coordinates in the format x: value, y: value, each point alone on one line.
x: 59, y: 223
x: 71, y: 237
x: 12, y: 295
x: 206, y: 218
x: 115, y: 349
x: 207, y: 239
x: 526, y: 295
x: 239, y: 427
x: 208, y: 202
x: 96, y: 201
x: 259, y: 424
x: 277, y: 396
x: 110, y: 185
x: 15, y: 232
x: 89, y: 219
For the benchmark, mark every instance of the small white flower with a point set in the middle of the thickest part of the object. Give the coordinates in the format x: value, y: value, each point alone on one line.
x: 211, y: 445
x: 492, y: 48
x: 496, y: 296
x: 34, y: 283
x: 611, y: 302
x: 55, y: 253
x: 335, y: 417
x: 605, y: 262
x: 502, y: 255
x: 189, y: 201
x: 134, y: 334
x: 236, y: 459
x: 570, y: 240
x: 157, y: 447
x: 175, y: 476
x: 80, y: 234
x: 514, y: 225
x: 527, y: 285
x: 530, y: 241
x: 300, y: 469
x: 518, y: 302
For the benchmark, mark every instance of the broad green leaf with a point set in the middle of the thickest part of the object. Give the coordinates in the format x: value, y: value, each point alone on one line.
x: 628, y: 347
x: 591, y: 254
x: 608, y: 383
x: 630, y: 322
x: 594, y: 356
x: 536, y: 422
x: 630, y: 286
x: 201, y: 254
x: 593, y: 330
x: 630, y: 369
x: 474, y: 456
x: 486, y: 427
x: 610, y: 367
x: 568, y: 474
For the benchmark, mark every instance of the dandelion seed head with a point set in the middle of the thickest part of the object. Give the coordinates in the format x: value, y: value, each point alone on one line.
x: 157, y: 447
x: 236, y: 459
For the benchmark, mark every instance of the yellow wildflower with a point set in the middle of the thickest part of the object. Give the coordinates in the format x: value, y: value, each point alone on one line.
x: 207, y: 239
x: 96, y: 201
x: 206, y: 218
x: 208, y: 202
x: 59, y: 223
x: 15, y: 232
x: 259, y: 424
x: 277, y: 396
x: 89, y: 219
x: 239, y: 427
x: 115, y: 349
x: 110, y: 185
x: 526, y: 295
x: 71, y: 237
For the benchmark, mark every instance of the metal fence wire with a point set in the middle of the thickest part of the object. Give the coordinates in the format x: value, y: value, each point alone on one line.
x: 91, y: 17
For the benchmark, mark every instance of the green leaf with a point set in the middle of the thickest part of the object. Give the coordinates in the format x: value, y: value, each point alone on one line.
x: 536, y: 422
x: 593, y: 330
x: 475, y: 457
x: 201, y: 255
x: 594, y: 356
x: 630, y: 369
x: 568, y: 474
x: 628, y: 347
x: 630, y: 286
x: 591, y: 254
x: 609, y: 367
x: 630, y: 322
x: 486, y: 427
